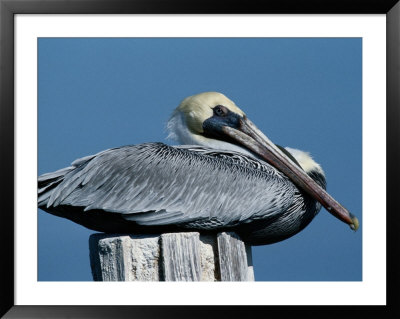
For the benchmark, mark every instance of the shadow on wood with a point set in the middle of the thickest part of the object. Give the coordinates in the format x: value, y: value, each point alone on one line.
x: 170, y: 257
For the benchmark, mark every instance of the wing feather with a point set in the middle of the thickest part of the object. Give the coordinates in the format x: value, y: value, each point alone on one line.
x: 157, y: 184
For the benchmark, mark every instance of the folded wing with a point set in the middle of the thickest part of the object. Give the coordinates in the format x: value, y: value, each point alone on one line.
x: 157, y: 184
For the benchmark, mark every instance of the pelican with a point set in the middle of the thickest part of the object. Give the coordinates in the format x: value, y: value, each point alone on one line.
x: 225, y: 176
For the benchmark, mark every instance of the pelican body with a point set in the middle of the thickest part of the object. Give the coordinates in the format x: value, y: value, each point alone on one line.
x: 226, y: 176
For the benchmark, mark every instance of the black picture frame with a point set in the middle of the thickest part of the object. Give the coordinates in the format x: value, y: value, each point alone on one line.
x: 8, y: 9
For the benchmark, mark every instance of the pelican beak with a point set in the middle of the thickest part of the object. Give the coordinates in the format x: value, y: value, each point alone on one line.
x: 252, y: 138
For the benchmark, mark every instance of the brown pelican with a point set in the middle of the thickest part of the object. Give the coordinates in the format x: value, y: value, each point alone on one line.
x: 226, y: 175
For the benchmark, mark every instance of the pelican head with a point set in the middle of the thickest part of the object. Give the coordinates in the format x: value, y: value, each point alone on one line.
x: 211, y: 119
x: 195, y: 121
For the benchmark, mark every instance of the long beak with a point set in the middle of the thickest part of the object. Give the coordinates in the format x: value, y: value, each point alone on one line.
x: 252, y: 138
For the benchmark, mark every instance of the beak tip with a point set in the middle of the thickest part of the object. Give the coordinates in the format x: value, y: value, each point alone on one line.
x: 355, y: 223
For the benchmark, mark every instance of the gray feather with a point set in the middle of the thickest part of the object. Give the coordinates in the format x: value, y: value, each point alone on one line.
x: 156, y: 184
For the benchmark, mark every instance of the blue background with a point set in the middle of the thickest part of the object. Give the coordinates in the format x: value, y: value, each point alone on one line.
x: 306, y: 93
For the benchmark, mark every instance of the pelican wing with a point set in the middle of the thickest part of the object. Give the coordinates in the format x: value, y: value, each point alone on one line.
x: 157, y: 184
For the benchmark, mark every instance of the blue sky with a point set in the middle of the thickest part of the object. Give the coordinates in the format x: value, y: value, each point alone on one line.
x: 304, y: 93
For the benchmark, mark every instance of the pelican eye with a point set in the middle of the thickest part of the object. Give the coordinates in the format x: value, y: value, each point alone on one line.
x: 220, y: 110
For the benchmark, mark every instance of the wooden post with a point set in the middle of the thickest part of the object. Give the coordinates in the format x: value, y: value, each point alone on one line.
x: 170, y: 257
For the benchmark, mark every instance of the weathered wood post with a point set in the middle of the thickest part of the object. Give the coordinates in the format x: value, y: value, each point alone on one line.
x: 170, y: 257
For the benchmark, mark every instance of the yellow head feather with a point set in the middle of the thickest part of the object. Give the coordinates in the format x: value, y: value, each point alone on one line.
x: 198, y: 108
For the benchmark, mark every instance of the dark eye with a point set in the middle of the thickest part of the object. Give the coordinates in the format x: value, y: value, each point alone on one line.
x: 220, y: 110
